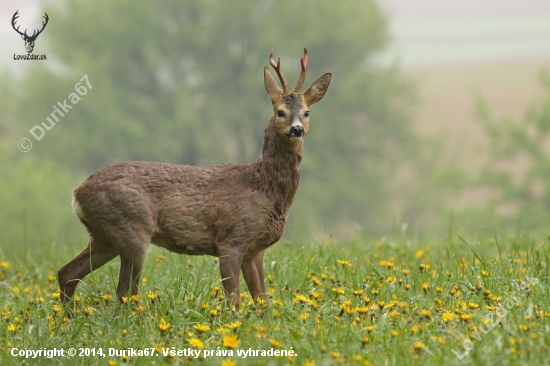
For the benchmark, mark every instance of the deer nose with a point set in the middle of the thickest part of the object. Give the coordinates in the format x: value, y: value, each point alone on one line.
x: 296, y: 131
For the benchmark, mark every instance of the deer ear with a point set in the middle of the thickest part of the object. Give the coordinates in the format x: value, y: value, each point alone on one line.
x: 317, y: 90
x: 271, y: 86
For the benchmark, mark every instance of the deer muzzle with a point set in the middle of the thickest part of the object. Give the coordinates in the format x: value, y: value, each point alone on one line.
x: 296, y: 132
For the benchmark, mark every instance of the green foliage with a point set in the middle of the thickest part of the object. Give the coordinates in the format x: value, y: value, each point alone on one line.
x: 518, y: 167
x: 391, y: 302
x: 182, y: 83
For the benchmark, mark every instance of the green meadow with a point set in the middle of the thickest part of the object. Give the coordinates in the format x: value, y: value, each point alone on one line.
x: 384, y: 302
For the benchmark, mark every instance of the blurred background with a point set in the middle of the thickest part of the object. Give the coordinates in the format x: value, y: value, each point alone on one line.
x: 437, y: 119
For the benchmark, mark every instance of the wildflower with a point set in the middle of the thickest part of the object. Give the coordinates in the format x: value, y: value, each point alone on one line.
x: 201, y: 328
x: 195, y: 342
x: 159, y: 259
x: 51, y: 278
x: 466, y: 317
x: 316, y: 281
x: 419, y: 254
x: 213, y: 313
x: 88, y: 311
x: 365, y: 341
x: 153, y: 296
x: 303, y: 316
x: 447, y: 316
x: 111, y: 363
x: 419, y: 346
x: 394, y: 333
x: 230, y: 341
x: 229, y: 363
x: 236, y: 324
x: 473, y: 305
x: 163, y: 325
x: 274, y: 343
x: 344, y: 262
x: 106, y: 298
x: 335, y: 354
x: 425, y: 287
x: 422, y: 267
x: 5, y: 265
x: 12, y: 328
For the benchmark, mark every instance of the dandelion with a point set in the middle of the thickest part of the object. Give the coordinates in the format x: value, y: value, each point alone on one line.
x: 5, y: 265
x: 419, y: 254
x: 12, y: 328
x: 153, y: 296
x: 51, y: 278
x: 201, y: 328
x: 275, y: 343
x: 235, y: 325
x: 369, y: 328
x: 230, y: 341
x: 196, y: 343
x: 163, y: 325
x: 111, y: 363
x: 447, y: 316
x: 425, y: 287
x: 88, y: 311
x: 229, y: 363
x: 344, y: 262
x: 159, y: 259
x: 419, y: 346
x: 365, y: 341
x: 394, y: 333
x: 473, y: 305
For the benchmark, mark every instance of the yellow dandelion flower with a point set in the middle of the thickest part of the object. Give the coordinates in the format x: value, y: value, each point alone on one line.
x: 466, y: 317
x: 230, y: 341
x: 236, y: 324
x: 365, y: 340
x: 111, y: 363
x: 201, y: 328
x: 473, y: 305
x: 229, y: 363
x: 88, y: 311
x: 394, y: 333
x: 303, y: 316
x: 163, y: 325
x: 419, y: 346
x: 51, y: 278
x: 419, y: 254
x: 5, y: 265
x: 309, y: 363
x: 316, y: 281
x: 213, y: 313
x: 369, y: 328
x: 12, y: 328
x: 447, y: 316
x: 195, y: 342
x: 335, y: 354
x: 159, y: 259
x: 344, y: 262
x: 153, y: 296
x: 425, y: 286
x: 275, y: 343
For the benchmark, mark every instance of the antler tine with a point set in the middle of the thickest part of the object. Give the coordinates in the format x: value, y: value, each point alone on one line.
x: 277, y: 67
x: 303, y: 62
x: 13, y: 19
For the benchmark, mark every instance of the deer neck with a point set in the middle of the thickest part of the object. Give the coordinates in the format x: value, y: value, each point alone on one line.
x: 279, y: 169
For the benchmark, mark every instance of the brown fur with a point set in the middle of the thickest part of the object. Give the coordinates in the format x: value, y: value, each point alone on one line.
x: 233, y: 212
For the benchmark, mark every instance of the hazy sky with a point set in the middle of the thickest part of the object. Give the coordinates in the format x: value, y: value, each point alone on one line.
x: 425, y: 32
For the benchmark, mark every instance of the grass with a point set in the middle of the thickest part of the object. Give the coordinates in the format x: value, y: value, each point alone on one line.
x: 389, y: 302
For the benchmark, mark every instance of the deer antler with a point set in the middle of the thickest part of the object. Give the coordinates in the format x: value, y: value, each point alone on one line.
x: 34, y: 34
x: 303, y: 62
x: 43, y: 24
x: 15, y: 16
x: 277, y: 67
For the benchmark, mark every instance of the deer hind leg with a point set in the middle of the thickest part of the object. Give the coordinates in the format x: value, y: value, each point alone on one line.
x: 253, y: 273
x: 97, y: 253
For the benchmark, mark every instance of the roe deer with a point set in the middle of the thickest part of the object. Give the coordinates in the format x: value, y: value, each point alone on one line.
x: 232, y: 211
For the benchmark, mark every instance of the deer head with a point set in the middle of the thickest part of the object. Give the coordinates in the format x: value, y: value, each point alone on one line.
x: 29, y: 40
x: 291, y: 108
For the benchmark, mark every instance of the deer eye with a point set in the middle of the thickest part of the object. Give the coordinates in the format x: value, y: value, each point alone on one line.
x: 306, y: 114
x: 280, y: 113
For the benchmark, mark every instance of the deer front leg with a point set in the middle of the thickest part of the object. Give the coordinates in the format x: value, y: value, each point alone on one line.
x: 230, y: 264
x: 253, y: 272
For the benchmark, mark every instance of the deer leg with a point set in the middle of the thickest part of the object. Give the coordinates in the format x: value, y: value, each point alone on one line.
x: 131, y: 264
x: 253, y: 272
x: 230, y: 263
x: 96, y: 254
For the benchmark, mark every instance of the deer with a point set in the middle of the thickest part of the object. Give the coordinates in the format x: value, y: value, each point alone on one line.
x: 29, y: 40
x: 231, y: 211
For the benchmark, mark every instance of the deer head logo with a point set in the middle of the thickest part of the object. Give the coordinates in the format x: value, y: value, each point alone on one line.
x: 29, y: 40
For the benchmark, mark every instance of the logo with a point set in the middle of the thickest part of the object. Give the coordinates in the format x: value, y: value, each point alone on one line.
x: 29, y: 40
